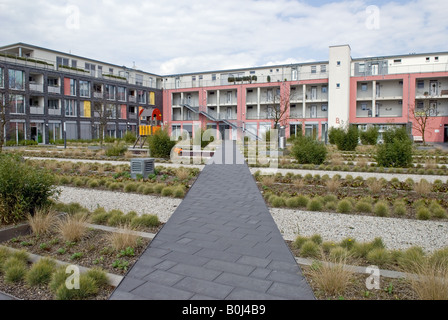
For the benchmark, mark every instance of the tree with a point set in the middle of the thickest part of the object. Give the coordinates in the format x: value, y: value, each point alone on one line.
x: 308, y: 151
x: 421, y: 116
x: 103, y: 114
x: 370, y: 136
x: 345, y: 139
x: 280, y: 110
x: 396, y: 150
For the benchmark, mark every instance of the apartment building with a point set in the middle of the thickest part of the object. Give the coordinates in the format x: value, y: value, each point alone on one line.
x: 47, y: 92
x: 375, y: 91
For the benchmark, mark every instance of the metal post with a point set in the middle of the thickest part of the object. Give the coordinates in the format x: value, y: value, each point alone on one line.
x: 65, y: 135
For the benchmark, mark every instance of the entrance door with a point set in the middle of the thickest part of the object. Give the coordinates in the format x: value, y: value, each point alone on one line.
x: 37, y: 132
x: 433, y: 88
x: 446, y: 134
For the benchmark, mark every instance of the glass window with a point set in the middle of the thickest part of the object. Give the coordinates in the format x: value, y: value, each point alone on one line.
x: 111, y: 111
x: 84, y: 88
x: 364, y: 87
x: 110, y: 92
x: 323, y: 68
x: 141, y: 96
x: 362, y: 68
x: 324, y: 89
x: 53, y: 104
x: 214, y: 77
x: 139, y: 79
x: 70, y: 108
x: 121, y: 93
x: 16, y: 79
x: 420, y: 84
x: 313, y: 69
x: 17, y: 104
x: 72, y: 87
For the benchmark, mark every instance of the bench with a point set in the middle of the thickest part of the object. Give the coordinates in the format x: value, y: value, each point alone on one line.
x: 418, y: 139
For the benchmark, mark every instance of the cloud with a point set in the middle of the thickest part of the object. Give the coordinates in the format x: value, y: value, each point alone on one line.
x: 169, y: 37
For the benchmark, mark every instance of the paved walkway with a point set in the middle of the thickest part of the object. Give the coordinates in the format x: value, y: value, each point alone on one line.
x: 220, y: 243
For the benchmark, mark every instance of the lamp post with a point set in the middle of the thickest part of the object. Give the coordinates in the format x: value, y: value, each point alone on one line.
x: 65, y: 135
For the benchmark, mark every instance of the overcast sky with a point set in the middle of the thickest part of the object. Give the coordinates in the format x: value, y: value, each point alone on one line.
x: 169, y: 37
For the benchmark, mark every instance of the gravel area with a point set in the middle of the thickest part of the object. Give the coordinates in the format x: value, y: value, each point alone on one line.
x: 163, y: 207
x: 396, y: 233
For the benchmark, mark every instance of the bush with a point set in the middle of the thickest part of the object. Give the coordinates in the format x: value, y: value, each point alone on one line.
x: 309, y: 249
x: 14, y: 270
x: 363, y: 206
x: 40, y: 272
x: 130, y: 187
x: 315, y: 204
x: 308, y: 151
x: 400, y: 209
x: 379, y: 256
x: 423, y: 213
x: 299, y: 241
x: 117, y: 149
x: 344, y: 206
x: 179, y: 192
x: 277, y: 201
x: 146, y: 220
x: 129, y: 137
x: 338, y: 254
x: 98, y: 275
x: 23, y: 188
x: 396, y: 150
x: 369, y: 137
x: 345, y: 140
x: 381, y: 209
x: 160, y: 144
x: 167, y: 192
x: 87, y: 288
x: 437, y: 211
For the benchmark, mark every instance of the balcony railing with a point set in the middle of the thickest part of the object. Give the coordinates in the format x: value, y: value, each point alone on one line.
x: 36, y: 110
x: 36, y: 87
x: 54, y: 112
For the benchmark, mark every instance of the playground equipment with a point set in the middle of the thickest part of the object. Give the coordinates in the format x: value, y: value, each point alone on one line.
x: 144, y: 131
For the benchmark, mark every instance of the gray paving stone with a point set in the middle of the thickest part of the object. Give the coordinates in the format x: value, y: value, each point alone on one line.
x: 254, y: 261
x: 253, y: 284
x: 291, y: 292
x: 155, y: 291
x: 163, y: 277
x: 204, y: 287
x: 225, y: 266
x: 195, y: 272
x: 218, y: 255
x: 244, y: 294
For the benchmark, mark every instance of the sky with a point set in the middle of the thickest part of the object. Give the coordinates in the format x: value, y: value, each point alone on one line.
x: 172, y: 36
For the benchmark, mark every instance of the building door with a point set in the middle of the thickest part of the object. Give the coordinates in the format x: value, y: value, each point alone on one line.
x: 445, y: 139
x: 433, y: 88
x: 313, y: 111
x: 313, y: 93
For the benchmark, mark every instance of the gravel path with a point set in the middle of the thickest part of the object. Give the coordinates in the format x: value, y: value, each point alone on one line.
x: 396, y: 233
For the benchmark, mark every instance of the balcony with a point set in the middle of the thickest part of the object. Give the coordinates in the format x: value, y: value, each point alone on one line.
x: 54, y: 89
x: 36, y: 109
x: 54, y: 112
x: 98, y: 95
x: 36, y: 87
x: 132, y: 99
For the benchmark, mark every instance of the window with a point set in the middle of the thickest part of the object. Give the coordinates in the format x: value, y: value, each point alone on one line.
x: 338, y: 85
x: 338, y: 63
x: 363, y: 86
x: 324, y: 107
x: 397, y: 61
x: 74, y: 63
x: 111, y: 111
x: 252, y: 72
x: 90, y: 67
x: 141, y: 96
x: 400, y: 82
x: 84, y: 88
x: 324, y: 89
x: 427, y: 59
x: 62, y: 61
x: 294, y: 74
x: 362, y: 68
x: 420, y: 105
x: 53, y: 104
x: 313, y: 69
x: 121, y: 94
x: 363, y: 106
x: 214, y: 77
x: 323, y: 68
x: 72, y: 87
x: 139, y: 79
x: 436, y: 59
x: 17, y: 104
x: 53, y: 82
x: 16, y: 79
x: 1, y: 77
x: 111, y: 70
x: 70, y: 108
x: 420, y: 84
x: 110, y: 92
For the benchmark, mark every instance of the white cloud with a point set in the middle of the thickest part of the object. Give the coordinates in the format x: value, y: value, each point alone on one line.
x: 174, y: 37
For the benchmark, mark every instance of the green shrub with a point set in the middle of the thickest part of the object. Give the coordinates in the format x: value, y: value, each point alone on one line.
x: 130, y: 187
x: 330, y: 198
x: 315, y: 204
x: 179, y: 192
x: 369, y: 137
x: 148, y: 190
x: 116, y: 219
x: 400, y: 209
x: 146, y: 220
x: 335, y: 135
x: 299, y: 241
x: 363, y: 206
x: 41, y: 272
x: 327, y: 246
x: 23, y: 188
x: 129, y: 137
x: 360, y: 250
x: 379, y: 256
x: 344, y: 206
x: 277, y: 201
x: 344, y: 139
x: 14, y: 271
x: 306, y: 150
x: 338, y: 254
x: 87, y: 288
x: 167, y: 192
x: 381, y: 209
x: 309, y: 249
x: 160, y: 144
x: 100, y: 217
x: 347, y: 243
x: 117, y: 149
x: 293, y: 202
x: 396, y: 151
x: 316, y: 238
x: 437, y: 210
x: 439, y: 258
x: 332, y: 205
x: 93, y: 183
x: 158, y: 188
x: 411, y: 259
x: 58, y: 279
x: 98, y: 275
x: 423, y: 213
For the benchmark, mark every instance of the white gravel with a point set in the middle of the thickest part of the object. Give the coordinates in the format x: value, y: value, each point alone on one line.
x: 396, y: 233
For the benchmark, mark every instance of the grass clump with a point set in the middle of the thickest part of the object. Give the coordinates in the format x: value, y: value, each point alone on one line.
x: 87, y: 288
x: 423, y: 213
x: 43, y: 221
x: 41, y: 272
x: 332, y: 278
x: 14, y: 269
x: 309, y: 249
x: 316, y: 204
x: 277, y: 201
x: 145, y: 221
x: 344, y: 206
x: 379, y: 256
x: 124, y: 239
x: 363, y: 206
x: 72, y: 228
x: 381, y: 209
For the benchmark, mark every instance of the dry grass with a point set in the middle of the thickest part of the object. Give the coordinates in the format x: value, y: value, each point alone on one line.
x: 431, y: 164
x: 43, y: 221
x: 100, y: 169
x: 331, y: 277
x: 268, y: 181
x: 118, y: 169
x: 333, y: 185
x: 362, y: 163
x: 67, y: 166
x: 84, y: 168
x: 73, y: 228
x: 375, y: 185
x: 299, y: 183
x: 129, y: 155
x: 423, y: 187
x: 122, y: 240
x: 51, y: 165
x: 431, y: 281
x: 182, y: 174
x: 336, y: 159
